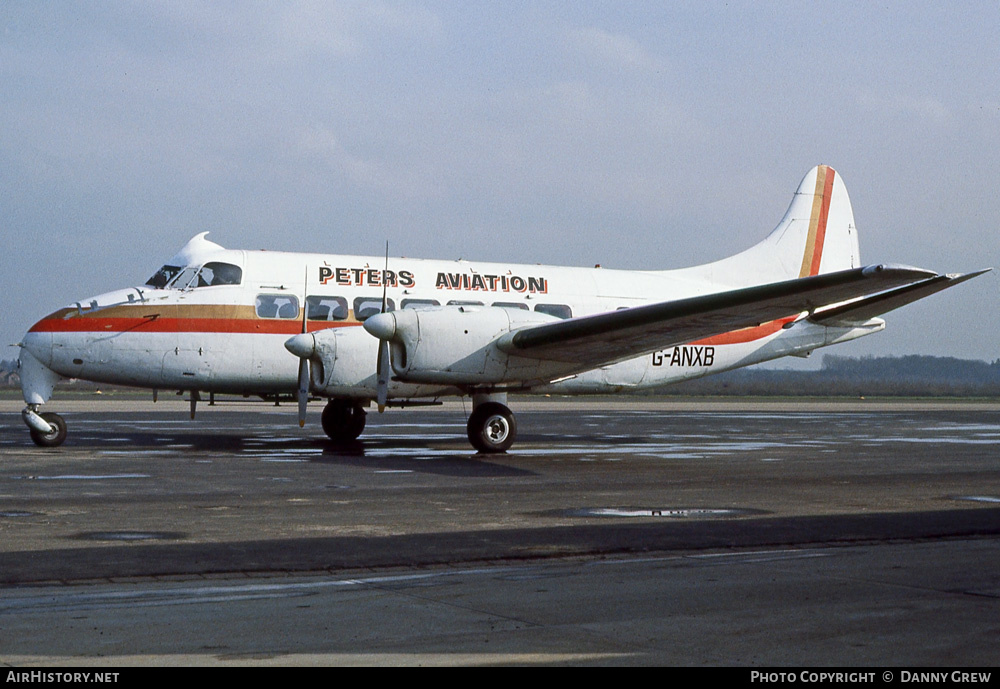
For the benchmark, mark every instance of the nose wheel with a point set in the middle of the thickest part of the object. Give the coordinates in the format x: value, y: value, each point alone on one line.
x: 46, y: 430
x: 492, y: 428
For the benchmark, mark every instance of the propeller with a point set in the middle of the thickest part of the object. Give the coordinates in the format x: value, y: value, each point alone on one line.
x: 303, y: 393
x: 384, y: 365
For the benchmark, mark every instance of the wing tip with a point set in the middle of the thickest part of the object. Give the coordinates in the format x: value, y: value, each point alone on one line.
x: 956, y: 278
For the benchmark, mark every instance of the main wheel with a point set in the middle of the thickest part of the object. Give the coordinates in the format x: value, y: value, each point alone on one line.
x: 492, y: 428
x: 343, y: 420
x: 53, y: 439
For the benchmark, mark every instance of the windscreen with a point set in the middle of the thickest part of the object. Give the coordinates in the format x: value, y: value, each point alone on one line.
x: 191, y: 277
x: 163, y: 276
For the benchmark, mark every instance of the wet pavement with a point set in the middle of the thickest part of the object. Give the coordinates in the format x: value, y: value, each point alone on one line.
x: 142, y: 495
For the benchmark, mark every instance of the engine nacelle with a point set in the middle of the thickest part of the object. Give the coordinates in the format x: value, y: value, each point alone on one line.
x: 457, y: 345
x: 341, y: 360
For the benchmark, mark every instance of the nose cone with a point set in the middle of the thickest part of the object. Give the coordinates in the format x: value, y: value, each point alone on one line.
x: 38, y: 342
x: 302, y: 345
x: 37, y: 379
x: 382, y: 325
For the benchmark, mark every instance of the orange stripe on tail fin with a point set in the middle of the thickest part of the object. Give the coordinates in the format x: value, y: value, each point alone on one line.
x: 813, y: 254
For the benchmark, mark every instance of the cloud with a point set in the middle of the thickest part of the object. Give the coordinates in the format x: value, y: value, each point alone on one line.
x: 904, y: 105
x: 614, y: 50
x: 642, y: 134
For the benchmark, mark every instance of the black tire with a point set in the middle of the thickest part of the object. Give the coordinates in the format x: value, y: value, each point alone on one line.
x: 54, y: 439
x: 492, y: 428
x: 343, y: 420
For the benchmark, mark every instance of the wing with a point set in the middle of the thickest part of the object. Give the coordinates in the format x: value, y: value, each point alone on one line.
x: 862, y: 309
x: 611, y: 337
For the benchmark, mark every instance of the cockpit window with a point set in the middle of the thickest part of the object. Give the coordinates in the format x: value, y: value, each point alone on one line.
x: 163, y: 276
x: 189, y: 277
x: 212, y: 274
x: 184, y: 278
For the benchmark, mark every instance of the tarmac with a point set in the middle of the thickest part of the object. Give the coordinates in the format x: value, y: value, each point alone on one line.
x: 615, y: 532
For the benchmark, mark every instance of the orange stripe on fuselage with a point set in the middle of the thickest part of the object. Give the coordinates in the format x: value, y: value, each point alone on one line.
x: 290, y: 327
x: 746, y: 334
x: 177, y: 318
x: 182, y: 325
x: 813, y: 254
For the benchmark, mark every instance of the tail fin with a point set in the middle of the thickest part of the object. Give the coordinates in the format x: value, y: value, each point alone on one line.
x: 817, y: 235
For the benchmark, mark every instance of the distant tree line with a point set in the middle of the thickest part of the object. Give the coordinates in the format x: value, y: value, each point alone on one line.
x: 904, y: 376
x: 8, y: 375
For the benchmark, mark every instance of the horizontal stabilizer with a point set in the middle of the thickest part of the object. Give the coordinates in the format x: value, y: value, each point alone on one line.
x: 862, y: 309
x: 618, y: 335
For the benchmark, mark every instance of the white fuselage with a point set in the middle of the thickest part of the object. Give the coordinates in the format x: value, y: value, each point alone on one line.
x: 229, y: 338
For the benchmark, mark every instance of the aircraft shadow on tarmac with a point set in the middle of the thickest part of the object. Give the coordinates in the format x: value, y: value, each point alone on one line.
x: 380, y: 454
x: 415, y: 456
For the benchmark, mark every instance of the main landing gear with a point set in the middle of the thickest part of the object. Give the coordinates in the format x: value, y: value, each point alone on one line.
x: 46, y: 429
x: 491, y: 427
x: 343, y: 420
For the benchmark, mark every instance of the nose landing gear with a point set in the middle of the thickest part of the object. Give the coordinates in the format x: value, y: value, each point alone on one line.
x: 46, y: 429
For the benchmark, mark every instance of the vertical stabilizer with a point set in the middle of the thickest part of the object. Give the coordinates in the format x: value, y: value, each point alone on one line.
x: 817, y: 235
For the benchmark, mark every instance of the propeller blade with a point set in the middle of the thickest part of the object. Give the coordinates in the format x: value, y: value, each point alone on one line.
x: 385, y: 276
x: 305, y: 301
x: 384, y: 366
x: 303, y: 390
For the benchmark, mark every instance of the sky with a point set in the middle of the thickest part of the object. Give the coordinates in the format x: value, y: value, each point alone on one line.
x: 632, y: 134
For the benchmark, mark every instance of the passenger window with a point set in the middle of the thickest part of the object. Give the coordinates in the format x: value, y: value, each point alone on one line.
x: 557, y: 310
x: 366, y: 307
x: 462, y: 302
x: 326, y: 308
x: 212, y: 274
x: 420, y: 303
x: 277, y: 306
x: 511, y: 305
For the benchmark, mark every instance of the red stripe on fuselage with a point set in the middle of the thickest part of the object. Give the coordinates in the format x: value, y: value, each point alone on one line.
x: 746, y: 334
x: 294, y: 327
x: 181, y: 325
